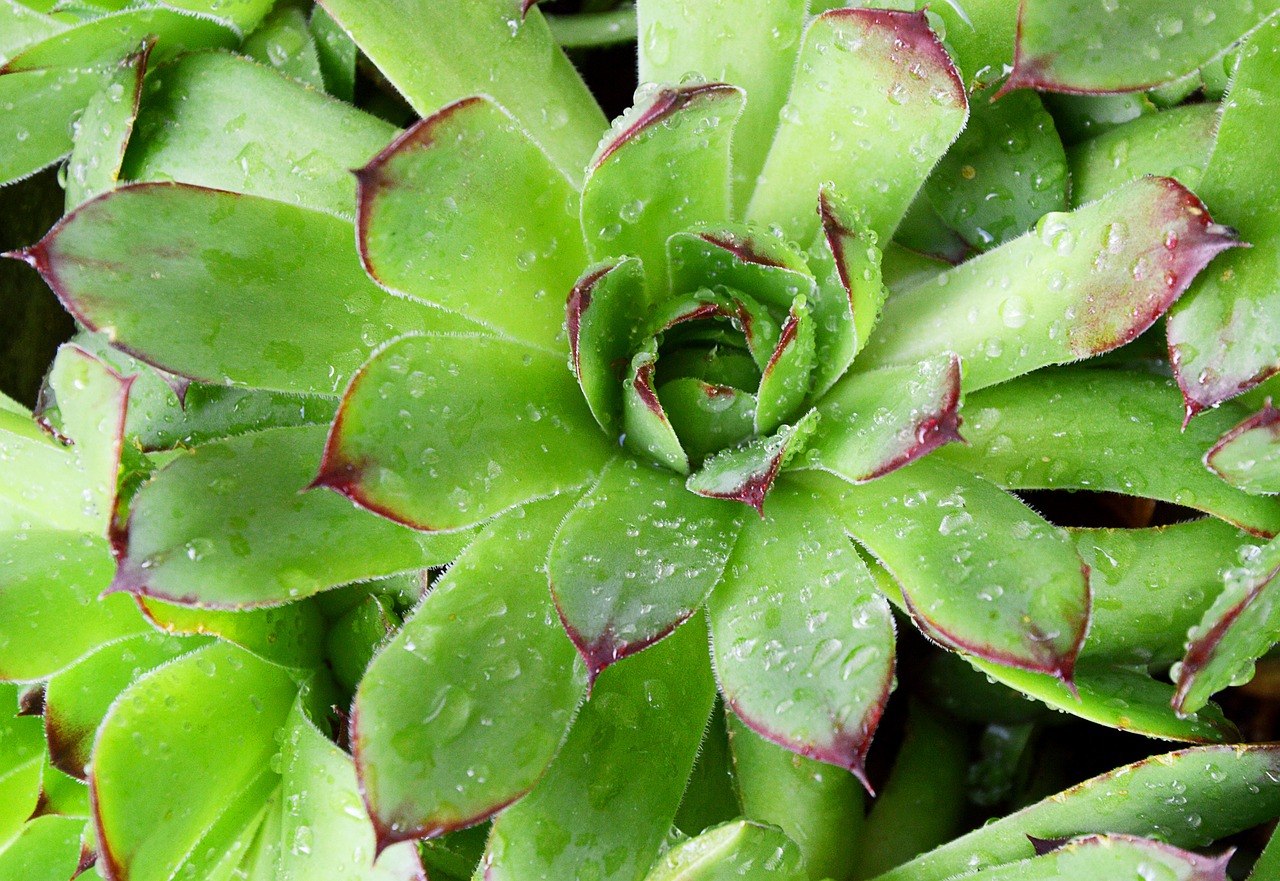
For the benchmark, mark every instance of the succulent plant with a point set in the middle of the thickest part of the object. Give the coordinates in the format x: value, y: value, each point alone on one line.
x: 637, y: 386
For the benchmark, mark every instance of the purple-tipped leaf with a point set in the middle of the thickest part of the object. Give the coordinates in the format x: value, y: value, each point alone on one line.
x: 785, y: 380
x: 102, y: 132
x: 647, y: 429
x: 737, y: 849
x: 1109, y: 856
x: 600, y: 318
x: 746, y: 474
x: 740, y: 257
x: 1248, y: 456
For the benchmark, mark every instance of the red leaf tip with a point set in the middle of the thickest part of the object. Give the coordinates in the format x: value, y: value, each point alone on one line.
x: 664, y: 104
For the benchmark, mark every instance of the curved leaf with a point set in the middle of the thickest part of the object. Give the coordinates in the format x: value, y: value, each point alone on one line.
x: 907, y: 92
x: 740, y: 849
x: 1248, y: 456
x: 1133, y: 445
x: 46, y: 849
x: 747, y: 473
x: 443, y: 432
x: 1078, y: 285
x: 224, y: 287
x: 465, y: 211
x: 36, y: 130
x: 284, y: 42
x: 635, y: 557
x: 22, y: 26
x: 1111, y: 855
x: 602, y: 312
x: 464, y: 709
x: 103, y: 130
x: 290, y: 635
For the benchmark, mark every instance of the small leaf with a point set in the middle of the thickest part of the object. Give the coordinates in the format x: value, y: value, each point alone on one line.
x: 741, y: 258
x: 1078, y: 285
x: 443, y: 432
x: 707, y: 417
x: 287, y: 636
x: 1248, y: 456
x: 103, y: 130
x: 646, y: 428
x: 605, y: 805
x: 601, y: 316
x: 785, y: 379
x: 803, y: 642
x: 904, y: 90
x: 461, y: 713
x: 1096, y: 856
x: 739, y: 849
x: 465, y: 211
x: 635, y: 557
x: 746, y: 474
x: 284, y: 42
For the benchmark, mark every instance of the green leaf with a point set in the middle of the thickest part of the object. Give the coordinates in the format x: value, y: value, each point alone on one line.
x: 1174, y: 143
x: 274, y: 137
x: 50, y: 614
x: 1132, y: 444
x: 103, y: 130
x: 355, y: 638
x: 47, y: 849
x: 979, y: 571
x: 1111, y: 856
x: 1003, y: 173
x: 637, y: 191
x: 42, y: 483
x: 708, y: 418
x: 646, y: 428
x: 462, y: 712
x: 1225, y: 336
x: 980, y: 35
x: 602, y: 312
x: 226, y: 288
x: 1078, y: 285
x: 274, y: 543
x: 606, y: 804
x: 22, y: 757
x: 1079, y: 117
x: 337, y: 54
x: 284, y: 41
x: 784, y: 383
x: 803, y: 642
x: 876, y: 101
x: 464, y: 210
x: 818, y: 808
x: 1238, y: 628
x: 1190, y: 798
x: 107, y: 39
x: 163, y: 778
x: 36, y: 126
x: 287, y: 636
x: 22, y: 26
x: 875, y: 422
x: 635, y: 557
x: 747, y: 473
x: 479, y: 425
x: 77, y: 698
x: 740, y: 849
x: 505, y: 50
x: 741, y: 258
x: 1127, y: 46
x: 243, y: 14
x: 754, y: 46
x: 1248, y: 456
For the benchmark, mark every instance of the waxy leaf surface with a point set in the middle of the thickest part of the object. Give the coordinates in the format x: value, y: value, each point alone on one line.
x: 606, y: 803
x: 288, y: 635
x: 464, y: 709
x: 22, y: 26
x: 736, y: 850
x: 275, y: 543
x: 876, y: 101
x: 1113, y: 856
x: 284, y: 42
x: 636, y: 556
x: 103, y: 130
x: 803, y: 641
x: 465, y: 211
x: 1078, y: 285
x: 226, y: 288
x: 601, y: 316
x: 747, y: 473
x: 46, y: 849
x: 36, y: 130
x: 441, y: 432
x: 1248, y: 456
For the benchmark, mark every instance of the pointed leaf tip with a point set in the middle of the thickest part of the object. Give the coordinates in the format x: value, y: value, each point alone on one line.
x: 913, y: 38
x: 666, y: 103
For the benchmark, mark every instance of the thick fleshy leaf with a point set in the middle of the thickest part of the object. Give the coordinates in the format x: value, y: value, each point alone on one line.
x: 1113, y: 856
x: 1174, y: 143
x: 1004, y: 172
x: 1239, y: 628
x: 464, y: 709
x: 1132, y: 444
x: 224, y: 287
x: 875, y: 422
x: 164, y: 777
x: 281, y: 544
x: 747, y: 260
x: 646, y: 428
x: 980, y: 571
x: 287, y: 636
x: 46, y: 849
x: 1084, y: 47
x: 637, y: 191
x: 910, y: 105
x: 636, y: 556
x: 442, y: 432
x: 1225, y: 337
x: 274, y: 138
x: 1078, y: 285
x: 35, y: 130
x: 41, y: 482
x: 22, y: 26
x: 505, y: 51
x: 21, y: 761
x: 821, y: 810
x: 77, y: 699
x: 1189, y: 798
x: 1248, y: 456
x: 707, y: 417
x: 601, y: 315
x: 464, y: 210
x: 50, y: 615
x: 749, y: 44
x: 284, y: 42
x: 803, y: 641
x: 337, y: 54
x: 107, y: 39
x: 746, y: 474
x: 103, y: 130
x: 784, y: 384
x: 606, y: 803
x: 737, y: 850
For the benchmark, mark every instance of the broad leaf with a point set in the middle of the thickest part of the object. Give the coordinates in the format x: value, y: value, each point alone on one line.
x: 803, y: 642
x: 224, y: 287
x: 606, y: 803
x: 635, y: 557
x: 289, y: 635
x: 36, y: 128
x: 737, y: 850
x: 442, y: 432
x: 22, y: 26
x: 337, y: 54
x: 103, y: 130
x: 1078, y: 285
x: 876, y: 101
x: 602, y: 312
x: 1248, y: 456
x: 707, y: 417
x: 747, y: 473
x: 47, y: 849
x: 1097, y: 856
x: 464, y: 709
x: 465, y: 211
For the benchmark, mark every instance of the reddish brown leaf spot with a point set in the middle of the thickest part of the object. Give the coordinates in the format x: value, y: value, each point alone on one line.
x: 110, y: 864
x: 1268, y: 418
x: 525, y: 6
x: 785, y: 341
x: 937, y: 429
x: 88, y: 859
x: 835, y: 232
x: 67, y: 750
x: 914, y: 42
x: 1210, y: 388
x: 577, y: 304
x: 743, y: 248
x: 643, y: 385
x: 755, y: 488
x: 606, y: 648
x: 1046, y: 845
x: 31, y: 701
x: 665, y: 104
